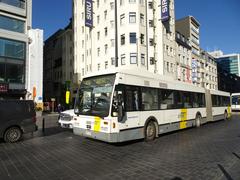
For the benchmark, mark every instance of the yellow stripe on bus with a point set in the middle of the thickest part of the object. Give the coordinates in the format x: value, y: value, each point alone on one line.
x: 183, y: 123
x: 229, y: 111
x: 97, y: 124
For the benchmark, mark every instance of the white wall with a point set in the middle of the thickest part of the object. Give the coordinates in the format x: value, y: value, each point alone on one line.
x: 35, y: 65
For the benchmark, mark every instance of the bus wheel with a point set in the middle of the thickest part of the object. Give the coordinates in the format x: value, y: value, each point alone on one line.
x: 198, y: 120
x: 150, y: 131
x: 225, y: 115
x: 13, y: 134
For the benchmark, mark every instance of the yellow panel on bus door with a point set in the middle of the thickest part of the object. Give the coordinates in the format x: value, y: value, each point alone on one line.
x: 183, y: 120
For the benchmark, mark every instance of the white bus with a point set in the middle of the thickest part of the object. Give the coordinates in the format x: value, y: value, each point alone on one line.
x: 235, y: 103
x: 126, y: 105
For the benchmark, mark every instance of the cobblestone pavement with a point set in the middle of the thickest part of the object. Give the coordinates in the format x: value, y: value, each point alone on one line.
x: 210, y: 152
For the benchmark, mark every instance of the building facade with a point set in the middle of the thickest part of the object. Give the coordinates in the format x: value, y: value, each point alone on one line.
x: 169, y: 44
x: 189, y: 27
x: 228, y: 82
x: 230, y: 63
x: 34, y: 83
x: 58, y: 65
x: 209, y: 74
x: 119, y: 36
x: 184, y: 58
x: 15, y: 21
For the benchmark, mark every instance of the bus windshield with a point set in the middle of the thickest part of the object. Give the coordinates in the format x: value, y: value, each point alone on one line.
x: 94, y: 96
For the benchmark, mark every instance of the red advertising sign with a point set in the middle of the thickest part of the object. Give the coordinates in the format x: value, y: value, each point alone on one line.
x: 3, y: 88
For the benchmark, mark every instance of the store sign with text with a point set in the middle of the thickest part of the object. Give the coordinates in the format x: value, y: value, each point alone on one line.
x: 165, y: 10
x: 89, y: 13
x: 3, y: 88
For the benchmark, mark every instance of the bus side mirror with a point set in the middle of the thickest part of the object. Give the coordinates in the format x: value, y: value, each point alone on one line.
x: 76, y: 111
x: 120, y: 113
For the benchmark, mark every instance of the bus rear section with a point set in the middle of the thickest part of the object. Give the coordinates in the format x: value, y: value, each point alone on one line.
x: 221, y: 106
x: 235, y: 102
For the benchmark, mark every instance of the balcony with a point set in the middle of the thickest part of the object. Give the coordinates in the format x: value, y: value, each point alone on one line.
x: 17, y: 7
x: 15, y: 3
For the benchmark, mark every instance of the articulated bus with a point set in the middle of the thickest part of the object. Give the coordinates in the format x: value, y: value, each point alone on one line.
x: 235, y: 104
x: 126, y: 105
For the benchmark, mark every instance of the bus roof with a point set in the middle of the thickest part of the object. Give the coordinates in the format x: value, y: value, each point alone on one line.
x: 155, y: 79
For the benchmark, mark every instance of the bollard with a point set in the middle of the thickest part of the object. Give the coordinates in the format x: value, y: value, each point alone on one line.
x: 43, y: 125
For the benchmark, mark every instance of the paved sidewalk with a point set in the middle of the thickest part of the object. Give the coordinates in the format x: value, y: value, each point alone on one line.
x: 210, y: 152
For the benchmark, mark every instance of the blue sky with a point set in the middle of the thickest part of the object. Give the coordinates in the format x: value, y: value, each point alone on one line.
x: 219, y: 19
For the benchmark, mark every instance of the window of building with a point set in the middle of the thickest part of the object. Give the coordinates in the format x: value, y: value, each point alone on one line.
x: 106, y: 48
x: 98, y: 35
x: 106, y: 65
x: 151, y: 23
x: 112, y: 42
x: 132, y: 37
x: 98, y: 3
x: 142, y: 38
x: 111, y: 5
x: 113, y: 61
x: 132, y: 1
x: 105, y: 14
x: 151, y: 42
x: 15, y: 73
x: 122, y: 39
x: 141, y: 2
x: 112, y: 24
x: 142, y: 19
x: 132, y: 17
x: 98, y: 19
x: 98, y: 52
x: 121, y: 2
x: 82, y: 57
x: 12, y: 49
x: 122, y: 19
x: 150, y: 5
x: 123, y: 59
x: 143, y: 59
x: 12, y: 24
x: 98, y: 66
x: 82, y: 16
x: 106, y: 31
x: 133, y: 58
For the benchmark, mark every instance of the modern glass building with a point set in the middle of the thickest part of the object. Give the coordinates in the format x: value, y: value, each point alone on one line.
x: 15, y: 21
x: 230, y: 63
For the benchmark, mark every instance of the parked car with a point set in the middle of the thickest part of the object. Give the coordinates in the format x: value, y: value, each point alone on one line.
x: 16, y: 117
x: 65, y: 119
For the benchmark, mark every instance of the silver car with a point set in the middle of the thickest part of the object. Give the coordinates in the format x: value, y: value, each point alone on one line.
x: 65, y: 119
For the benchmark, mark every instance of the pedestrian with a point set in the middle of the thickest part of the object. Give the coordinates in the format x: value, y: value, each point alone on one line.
x: 59, y: 108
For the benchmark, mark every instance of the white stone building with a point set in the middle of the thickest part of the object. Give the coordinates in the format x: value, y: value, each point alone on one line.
x: 128, y: 33
x: 35, y: 66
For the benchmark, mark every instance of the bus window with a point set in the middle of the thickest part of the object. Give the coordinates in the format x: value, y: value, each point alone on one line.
x: 132, y: 99
x: 149, y: 99
x: 167, y: 99
x: 117, y: 100
x: 196, y: 100
x: 187, y: 99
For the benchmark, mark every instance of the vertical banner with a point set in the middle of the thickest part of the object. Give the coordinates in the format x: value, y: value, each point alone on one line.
x: 165, y: 10
x: 89, y: 13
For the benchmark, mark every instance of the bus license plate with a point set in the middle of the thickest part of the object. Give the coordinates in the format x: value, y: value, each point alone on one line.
x: 89, y: 133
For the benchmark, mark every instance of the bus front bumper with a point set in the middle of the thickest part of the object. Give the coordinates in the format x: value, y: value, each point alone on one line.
x: 107, y: 137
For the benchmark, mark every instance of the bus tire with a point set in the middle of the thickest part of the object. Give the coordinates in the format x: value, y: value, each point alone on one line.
x: 198, y: 120
x: 150, y: 131
x: 225, y: 115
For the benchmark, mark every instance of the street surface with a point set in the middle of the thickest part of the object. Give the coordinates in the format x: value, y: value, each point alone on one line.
x: 210, y: 152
